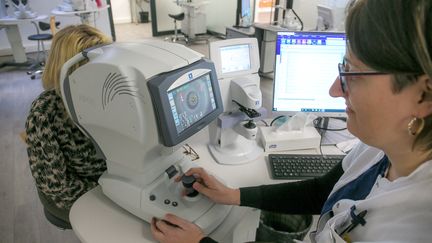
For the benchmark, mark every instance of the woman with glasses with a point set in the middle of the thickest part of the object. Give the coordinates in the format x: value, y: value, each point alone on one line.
x: 382, y: 190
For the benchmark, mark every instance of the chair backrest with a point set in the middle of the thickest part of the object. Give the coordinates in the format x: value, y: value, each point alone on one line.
x: 23, y: 136
x: 53, y: 25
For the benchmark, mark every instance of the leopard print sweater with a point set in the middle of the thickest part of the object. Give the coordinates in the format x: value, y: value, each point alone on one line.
x: 62, y: 159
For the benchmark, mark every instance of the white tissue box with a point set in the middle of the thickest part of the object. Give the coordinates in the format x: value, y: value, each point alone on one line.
x: 278, y: 140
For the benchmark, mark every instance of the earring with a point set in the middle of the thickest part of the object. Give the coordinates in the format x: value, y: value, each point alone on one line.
x: 415, y: 126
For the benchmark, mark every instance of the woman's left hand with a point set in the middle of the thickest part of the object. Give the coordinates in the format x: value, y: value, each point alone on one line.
x: 176, y: 230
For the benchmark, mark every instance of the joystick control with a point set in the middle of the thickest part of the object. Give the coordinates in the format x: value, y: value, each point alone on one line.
x: 188, y: 181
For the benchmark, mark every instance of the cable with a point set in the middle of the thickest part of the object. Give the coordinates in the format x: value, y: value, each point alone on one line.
x: 276, y: 118
x: 299, y: 19
x: 263, y: 121
x: 319, y: 120
x: 320, y: 148
x: 322, y: 129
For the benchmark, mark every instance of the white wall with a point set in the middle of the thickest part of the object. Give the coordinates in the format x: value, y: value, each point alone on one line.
x: 163, y: 8
x: 220, y: 14
x: 44, y: 7
x: 121, y: 11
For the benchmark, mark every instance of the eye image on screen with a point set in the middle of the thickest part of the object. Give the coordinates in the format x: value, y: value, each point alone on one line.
x: 191, y: 102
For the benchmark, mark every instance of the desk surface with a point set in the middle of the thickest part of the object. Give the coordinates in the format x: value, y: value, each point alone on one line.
x: 11, y: 25
x: 13, y: 20
x: 192, y: 4
x: 269, y: 27
x: 66, y: 13
x: 95, y: 218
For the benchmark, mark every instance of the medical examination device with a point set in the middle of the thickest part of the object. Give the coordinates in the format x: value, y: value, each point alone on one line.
x: 138, y: 102
x: 233, y: 134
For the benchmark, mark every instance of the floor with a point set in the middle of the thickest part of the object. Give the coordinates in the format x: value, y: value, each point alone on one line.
x: 22, y: 219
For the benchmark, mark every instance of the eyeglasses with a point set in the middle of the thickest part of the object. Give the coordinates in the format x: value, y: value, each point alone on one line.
x: 344, y: 73
x: 188, y: 150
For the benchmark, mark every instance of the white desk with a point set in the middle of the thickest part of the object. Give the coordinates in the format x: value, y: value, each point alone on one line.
x: 85, y: 15
x: 95, y: 218
x: 12, y: 30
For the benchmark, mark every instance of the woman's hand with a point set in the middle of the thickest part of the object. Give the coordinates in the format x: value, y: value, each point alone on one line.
x: 209, y: 186
x: 176, y: 230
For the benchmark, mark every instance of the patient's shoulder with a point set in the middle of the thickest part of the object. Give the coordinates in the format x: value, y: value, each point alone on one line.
x: 47, y: 100
x: 47, y: 104
x: 46, y: 111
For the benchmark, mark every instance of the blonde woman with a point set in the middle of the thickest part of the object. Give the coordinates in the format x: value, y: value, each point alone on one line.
x: 62, y: 159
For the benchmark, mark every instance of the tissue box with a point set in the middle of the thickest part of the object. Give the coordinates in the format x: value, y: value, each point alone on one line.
x: 273, y: 140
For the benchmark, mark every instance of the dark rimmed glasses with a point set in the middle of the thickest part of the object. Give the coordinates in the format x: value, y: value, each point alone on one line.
x: 344, y: 73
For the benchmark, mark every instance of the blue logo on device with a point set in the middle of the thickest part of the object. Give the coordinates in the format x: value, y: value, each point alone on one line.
x: 190, y: 76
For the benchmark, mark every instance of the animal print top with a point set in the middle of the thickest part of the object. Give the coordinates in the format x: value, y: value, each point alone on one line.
x: 63, y: 160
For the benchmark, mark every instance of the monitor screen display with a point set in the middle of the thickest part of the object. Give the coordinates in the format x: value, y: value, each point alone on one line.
x: 306, y: 66
x: 245, y: 8
x: 191, y: 102
x: 235, y: 58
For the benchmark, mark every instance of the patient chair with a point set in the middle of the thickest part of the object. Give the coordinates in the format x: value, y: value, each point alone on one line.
x: 37, y: 67
x: 54, y: 215
x: 178, y: 36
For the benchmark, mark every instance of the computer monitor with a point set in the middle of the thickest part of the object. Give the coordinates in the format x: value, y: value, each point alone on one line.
x: 244, y: 13
x: 185, y: 101
x: 306, y: 65
x: 3, y: 12
x: 235, y: 57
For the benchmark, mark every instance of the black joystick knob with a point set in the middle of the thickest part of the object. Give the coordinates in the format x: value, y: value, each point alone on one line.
x: 188, y: 181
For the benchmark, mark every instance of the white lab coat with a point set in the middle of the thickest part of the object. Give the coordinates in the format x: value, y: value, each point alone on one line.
x: 397, y: 211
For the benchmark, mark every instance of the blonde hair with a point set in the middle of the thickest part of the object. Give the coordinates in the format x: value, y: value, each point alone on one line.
x: 66, y: 43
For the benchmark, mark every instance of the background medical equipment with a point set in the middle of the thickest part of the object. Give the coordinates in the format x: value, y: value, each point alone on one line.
x: 22, y: 10
x: 138, y: 102
x: 233, y: 135
x: 296, y: 14
x: 77, y: 5
x: 195, y: 21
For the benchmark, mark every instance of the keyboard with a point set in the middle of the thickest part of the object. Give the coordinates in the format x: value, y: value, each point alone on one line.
x: 301, y: 166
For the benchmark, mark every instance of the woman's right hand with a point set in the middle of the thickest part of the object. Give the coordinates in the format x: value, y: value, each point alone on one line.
x: 209, y: 186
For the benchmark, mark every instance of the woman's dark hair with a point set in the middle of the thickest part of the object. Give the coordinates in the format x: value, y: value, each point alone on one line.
x: 394, y: 36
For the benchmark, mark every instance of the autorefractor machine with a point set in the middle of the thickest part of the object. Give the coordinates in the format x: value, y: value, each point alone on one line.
x: 233, y: 135
x: 138, y: 102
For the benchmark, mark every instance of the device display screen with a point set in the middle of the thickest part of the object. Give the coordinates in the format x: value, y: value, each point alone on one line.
x: 235, y: 58
x: 191, y: 102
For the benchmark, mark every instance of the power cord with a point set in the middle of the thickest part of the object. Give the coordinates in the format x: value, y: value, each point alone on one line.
x: 321, y: 124
x: 265, y: 123
x: 298, y: 18
x: 276, y: 118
